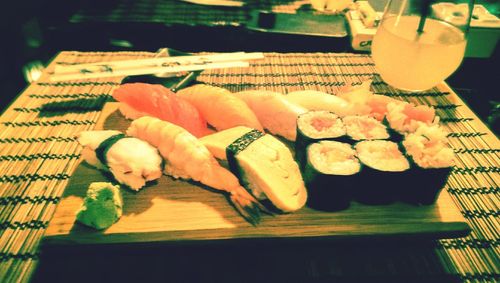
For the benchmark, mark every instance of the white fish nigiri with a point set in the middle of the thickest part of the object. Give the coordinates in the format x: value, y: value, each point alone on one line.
x: 274, y: 111
x: 186, y: 157
x: 132, y: 162
x: 318, y: 100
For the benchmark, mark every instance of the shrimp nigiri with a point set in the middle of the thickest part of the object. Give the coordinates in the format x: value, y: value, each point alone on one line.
x: 141, y: 99
x: 132, y: 162
x: 186, y: 157
x: 221, y: 109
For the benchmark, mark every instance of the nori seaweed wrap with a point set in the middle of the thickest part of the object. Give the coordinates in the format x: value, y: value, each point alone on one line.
x: 330, y: 175
x: 385, y: 171
x: 314, y: 126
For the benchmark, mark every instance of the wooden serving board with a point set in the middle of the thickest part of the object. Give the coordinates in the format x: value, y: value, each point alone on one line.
x: 172, y: 210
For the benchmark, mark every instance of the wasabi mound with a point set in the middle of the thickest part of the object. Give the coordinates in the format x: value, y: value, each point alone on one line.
x: 102, y: 206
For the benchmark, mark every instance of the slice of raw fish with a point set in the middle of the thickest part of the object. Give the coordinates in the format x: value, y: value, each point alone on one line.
x: 141, y: 99
x: 317, y: 100
x: 221, y: 109
x: 274, y: 111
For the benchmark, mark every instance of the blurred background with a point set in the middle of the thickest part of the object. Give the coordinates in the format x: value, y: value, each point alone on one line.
x: 35, y: 31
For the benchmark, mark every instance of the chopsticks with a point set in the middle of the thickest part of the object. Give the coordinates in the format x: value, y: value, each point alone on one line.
x: 153, y: 66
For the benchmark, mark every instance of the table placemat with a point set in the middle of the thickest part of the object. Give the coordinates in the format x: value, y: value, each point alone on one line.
x: 39, y: 152
x: 178, y: 12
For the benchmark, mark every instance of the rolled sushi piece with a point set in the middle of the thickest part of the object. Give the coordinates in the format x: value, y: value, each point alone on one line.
x: 314, y: 126
x: 132, y: 162
x: 264, y: 165
x: 404, y: 118
x: 359, y: 128
x: 384, y: 173
x: 431, y: 160
x: 331, y: 173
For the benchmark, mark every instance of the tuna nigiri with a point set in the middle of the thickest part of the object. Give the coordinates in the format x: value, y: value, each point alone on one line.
x: 317, y: 100
x: 186, y: 157
x: 141, y: 99
x: 132, y: 162
x: 221, y: 109
x: 275, y: 112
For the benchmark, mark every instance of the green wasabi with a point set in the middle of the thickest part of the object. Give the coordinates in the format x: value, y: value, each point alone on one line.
x: 102, y: 206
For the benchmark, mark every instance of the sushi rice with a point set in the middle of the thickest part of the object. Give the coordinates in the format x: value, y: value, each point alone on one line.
x: 382, y: 155
x: 364, y: 128
x: 427, y: 147
x: 332, y: 157
x: 405, y: 118
x: 321, y: 125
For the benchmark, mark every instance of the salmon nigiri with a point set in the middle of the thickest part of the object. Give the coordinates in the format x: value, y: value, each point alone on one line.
x: 142, y: 99
x: 221, y: 109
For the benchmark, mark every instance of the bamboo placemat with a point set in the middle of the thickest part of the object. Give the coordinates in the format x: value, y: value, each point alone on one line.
x: 178, y: 12
x: 39, y: 153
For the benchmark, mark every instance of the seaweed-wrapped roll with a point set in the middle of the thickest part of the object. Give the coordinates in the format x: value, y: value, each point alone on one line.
x: 364, y: 127
x: 330, y: 174
x: 404, y: 118
x: 384, y: 172
x: 315, y: 126
x: 432, y: 161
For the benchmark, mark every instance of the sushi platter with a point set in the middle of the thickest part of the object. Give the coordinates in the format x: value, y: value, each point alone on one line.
x: 171, y: 210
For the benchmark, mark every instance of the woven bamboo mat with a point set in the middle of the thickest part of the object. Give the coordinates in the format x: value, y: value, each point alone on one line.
x: 38, y: 154
x: 178, y: 12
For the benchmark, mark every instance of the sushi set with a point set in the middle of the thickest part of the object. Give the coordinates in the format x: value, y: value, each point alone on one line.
x: 206, y: 163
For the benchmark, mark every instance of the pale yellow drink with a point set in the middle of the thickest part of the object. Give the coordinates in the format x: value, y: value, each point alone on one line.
x: 409, y: 61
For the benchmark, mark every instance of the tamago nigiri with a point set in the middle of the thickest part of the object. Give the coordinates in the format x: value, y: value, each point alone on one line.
x: 186, y: 157
x: 141, y: 99
x: 221, y: 109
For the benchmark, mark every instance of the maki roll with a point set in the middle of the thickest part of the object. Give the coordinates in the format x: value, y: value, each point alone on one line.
x: 384, y: 172
x: 404, y: 118
x: 330, y: 175
x: 315, y: 126
x: 360, y: 128
x: 432, y: 161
